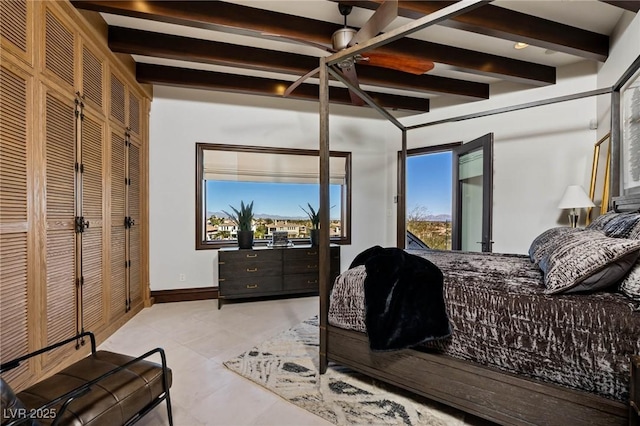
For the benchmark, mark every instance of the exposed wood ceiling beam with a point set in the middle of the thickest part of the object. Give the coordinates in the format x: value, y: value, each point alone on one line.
x: 511, y: 25
x: 131, y: 41
x: 221, y: 16
x: 183, y: 77
x: 630, y: 5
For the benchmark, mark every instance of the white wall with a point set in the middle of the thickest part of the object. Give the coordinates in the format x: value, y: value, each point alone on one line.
x: 538, y: 152
x: 180, y: 118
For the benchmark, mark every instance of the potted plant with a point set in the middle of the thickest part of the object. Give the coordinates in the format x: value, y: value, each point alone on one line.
x: 314, y: 217
x: 243, y: 218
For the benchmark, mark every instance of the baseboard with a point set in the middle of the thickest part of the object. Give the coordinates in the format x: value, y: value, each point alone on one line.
x: 184, y: 294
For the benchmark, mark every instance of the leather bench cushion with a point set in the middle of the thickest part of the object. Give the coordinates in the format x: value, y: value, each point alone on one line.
x: 113, y: 400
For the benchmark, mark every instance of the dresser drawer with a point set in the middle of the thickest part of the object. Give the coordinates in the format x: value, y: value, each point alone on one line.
x: 303, y: 266
x: 249, y: 263
x: 248, y: 286
x: 301, y: 282
x: 248, y: 269
x: 297, y: 254
x: 249, y: 255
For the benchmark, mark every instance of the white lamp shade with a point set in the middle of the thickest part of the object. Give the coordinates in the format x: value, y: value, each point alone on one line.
x: 575, y: 197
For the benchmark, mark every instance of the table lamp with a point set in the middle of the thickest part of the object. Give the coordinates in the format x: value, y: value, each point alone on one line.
x: 575, y: 198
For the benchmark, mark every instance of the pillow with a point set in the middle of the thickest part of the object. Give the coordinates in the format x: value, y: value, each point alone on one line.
x: 621, y: 225
x: 630, y: 286
x: 587, y: 261
x: 634, y: 233
x: 544, y: 242
x: 601, y: 221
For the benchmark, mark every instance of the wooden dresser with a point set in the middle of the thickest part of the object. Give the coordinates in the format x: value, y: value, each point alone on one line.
x: 264, y: 271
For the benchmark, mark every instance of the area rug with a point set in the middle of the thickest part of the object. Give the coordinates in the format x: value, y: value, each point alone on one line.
x: 287, y: 365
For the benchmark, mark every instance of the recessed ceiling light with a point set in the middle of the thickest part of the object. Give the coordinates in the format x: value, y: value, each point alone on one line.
x: 520, y: 45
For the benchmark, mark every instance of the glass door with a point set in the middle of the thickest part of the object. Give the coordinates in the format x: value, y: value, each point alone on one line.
x: 473, y: 195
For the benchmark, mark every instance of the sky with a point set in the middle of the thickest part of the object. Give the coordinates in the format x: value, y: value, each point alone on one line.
x: 269, y: 198
x: 428, y: 186
x: 429, y: 182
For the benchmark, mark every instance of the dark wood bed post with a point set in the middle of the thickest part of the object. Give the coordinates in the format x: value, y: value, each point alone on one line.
x: 401, y: 221
x: 324, y: 213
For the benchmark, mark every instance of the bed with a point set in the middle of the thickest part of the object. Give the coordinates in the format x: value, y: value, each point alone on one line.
x: 518, y: 355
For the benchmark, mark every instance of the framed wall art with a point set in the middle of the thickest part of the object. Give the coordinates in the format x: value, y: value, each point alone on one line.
x: 630, y: 132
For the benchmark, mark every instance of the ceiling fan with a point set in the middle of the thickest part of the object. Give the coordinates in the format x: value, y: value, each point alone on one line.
x: 346, y: 37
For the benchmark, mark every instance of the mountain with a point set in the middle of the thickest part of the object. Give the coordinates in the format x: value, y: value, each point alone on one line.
x: 262, y: 216
x: 439, y: 218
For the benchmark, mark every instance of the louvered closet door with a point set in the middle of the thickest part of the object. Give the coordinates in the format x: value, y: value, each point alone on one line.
x: 117, y: 112
x: 134, y: 115
x: 13, y: 220
x: 92, y: 78
x: 92, y: 296
x: 118, y: 243
x: 16, y: 21
x: 92, y: 139
x: 60, y: 213
x: 135, y: 242
x: 59, y: 58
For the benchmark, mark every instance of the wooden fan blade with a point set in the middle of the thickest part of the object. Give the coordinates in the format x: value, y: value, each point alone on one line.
x: 299, y: 81
x: 383, y: 16
x: 397, y: 62
x: 350, y: 74
x: 300, y: 41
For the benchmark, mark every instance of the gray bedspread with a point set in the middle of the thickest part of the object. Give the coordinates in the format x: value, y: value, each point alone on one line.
x: 502, y: 319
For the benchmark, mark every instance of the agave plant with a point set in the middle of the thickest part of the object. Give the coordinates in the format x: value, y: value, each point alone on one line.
x: 243, y: 217
x: 314, y: 216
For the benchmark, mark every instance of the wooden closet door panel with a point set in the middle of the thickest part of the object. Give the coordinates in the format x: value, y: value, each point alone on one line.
x: 59, y: 46
x: 92, y: 78
x: 13, y: 149
x: 117, y: 112
x: 134, y: 115
x: 92, y: 196
x: 118, y: 243
x: 60, y: 213
x: 14, y: 333
x: 135, y: 234
x: 16, y: 22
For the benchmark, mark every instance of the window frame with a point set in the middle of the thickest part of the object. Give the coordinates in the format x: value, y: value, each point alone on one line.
x: 203, y: 244
x: 432, y: 149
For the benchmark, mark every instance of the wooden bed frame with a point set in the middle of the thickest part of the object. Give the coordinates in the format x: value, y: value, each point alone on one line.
x: 483, y: 391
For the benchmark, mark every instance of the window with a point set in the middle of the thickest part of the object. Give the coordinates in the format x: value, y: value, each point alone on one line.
x: 429, y: 197
x: 280, y: 182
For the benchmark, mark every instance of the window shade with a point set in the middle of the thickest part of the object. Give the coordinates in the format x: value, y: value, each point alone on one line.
x: 267, y: 167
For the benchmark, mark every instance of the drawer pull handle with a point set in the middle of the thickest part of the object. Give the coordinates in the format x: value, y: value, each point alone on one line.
x: 252, y: 270
x: 312, y: 282
x: 312, y: 266
x: 221, y: 279
x: 252, y: 255
x: 312, y: 253
x: 221, y: 263
x: 252, y: 285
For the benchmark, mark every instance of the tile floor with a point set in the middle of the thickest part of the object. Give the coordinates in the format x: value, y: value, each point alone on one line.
x: 197, y: 339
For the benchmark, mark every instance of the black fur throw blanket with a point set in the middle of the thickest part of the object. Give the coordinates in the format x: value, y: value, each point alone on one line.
x: 403, y: 296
